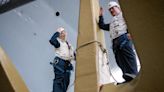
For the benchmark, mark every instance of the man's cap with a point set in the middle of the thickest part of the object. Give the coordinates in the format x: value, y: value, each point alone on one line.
x: 60, y: 29
x: 112, y: 4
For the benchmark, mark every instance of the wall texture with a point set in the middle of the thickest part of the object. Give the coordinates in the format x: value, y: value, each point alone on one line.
x: 25, y: 32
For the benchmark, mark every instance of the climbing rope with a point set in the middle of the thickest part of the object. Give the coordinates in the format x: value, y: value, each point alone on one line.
x: 103, y: 50
x: 106, y: 53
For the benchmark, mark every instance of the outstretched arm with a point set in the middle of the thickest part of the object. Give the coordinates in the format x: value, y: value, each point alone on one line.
x: 53, y: 41
x: 101, y: 23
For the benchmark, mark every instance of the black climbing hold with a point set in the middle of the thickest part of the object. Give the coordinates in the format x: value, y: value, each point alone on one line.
x: 57, y: 13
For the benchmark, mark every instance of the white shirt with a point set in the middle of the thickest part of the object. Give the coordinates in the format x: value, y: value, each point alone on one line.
x: 117, y: 26
x: 63, y: 51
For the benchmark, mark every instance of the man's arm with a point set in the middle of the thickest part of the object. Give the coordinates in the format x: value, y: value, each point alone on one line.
x: 102, y: 25
x: 54, y: 40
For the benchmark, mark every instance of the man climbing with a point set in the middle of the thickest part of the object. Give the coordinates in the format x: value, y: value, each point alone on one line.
x: 62, y: 66
x: 122, y: 44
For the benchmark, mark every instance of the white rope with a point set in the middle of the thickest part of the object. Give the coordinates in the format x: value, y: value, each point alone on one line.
x: 103, y: 50
x: 106, y: 53
x: 110, y: 69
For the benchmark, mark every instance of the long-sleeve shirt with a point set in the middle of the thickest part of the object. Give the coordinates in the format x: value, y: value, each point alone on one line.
x: 117, y: 26
x: 63, y: 49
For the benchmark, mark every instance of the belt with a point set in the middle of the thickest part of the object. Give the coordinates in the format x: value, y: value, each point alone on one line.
x: 67, y: 65
x: 120, y: 39
x: 64, y: 58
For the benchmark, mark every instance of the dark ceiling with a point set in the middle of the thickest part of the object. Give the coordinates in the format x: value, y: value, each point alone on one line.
x: 6, y: 5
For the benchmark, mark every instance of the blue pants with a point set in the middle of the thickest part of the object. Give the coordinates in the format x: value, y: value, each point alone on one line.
x: 62, y: 70
x: 125, y: 56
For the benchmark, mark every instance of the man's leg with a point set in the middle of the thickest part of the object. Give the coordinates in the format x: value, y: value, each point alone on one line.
x: 67, y: 79
x: 59, y: 70
x: 129, y: 60
x: 120, y: 62
x: 58, y: 84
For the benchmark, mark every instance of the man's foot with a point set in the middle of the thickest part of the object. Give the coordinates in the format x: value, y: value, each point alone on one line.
x: 127, y: 78
x: 122, y: 82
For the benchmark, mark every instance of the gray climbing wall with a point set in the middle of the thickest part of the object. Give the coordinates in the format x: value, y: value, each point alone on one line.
x: 25, y: 32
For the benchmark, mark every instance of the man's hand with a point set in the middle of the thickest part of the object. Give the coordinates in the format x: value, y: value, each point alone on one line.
x: 101, y: 11
x: 129, y: 36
